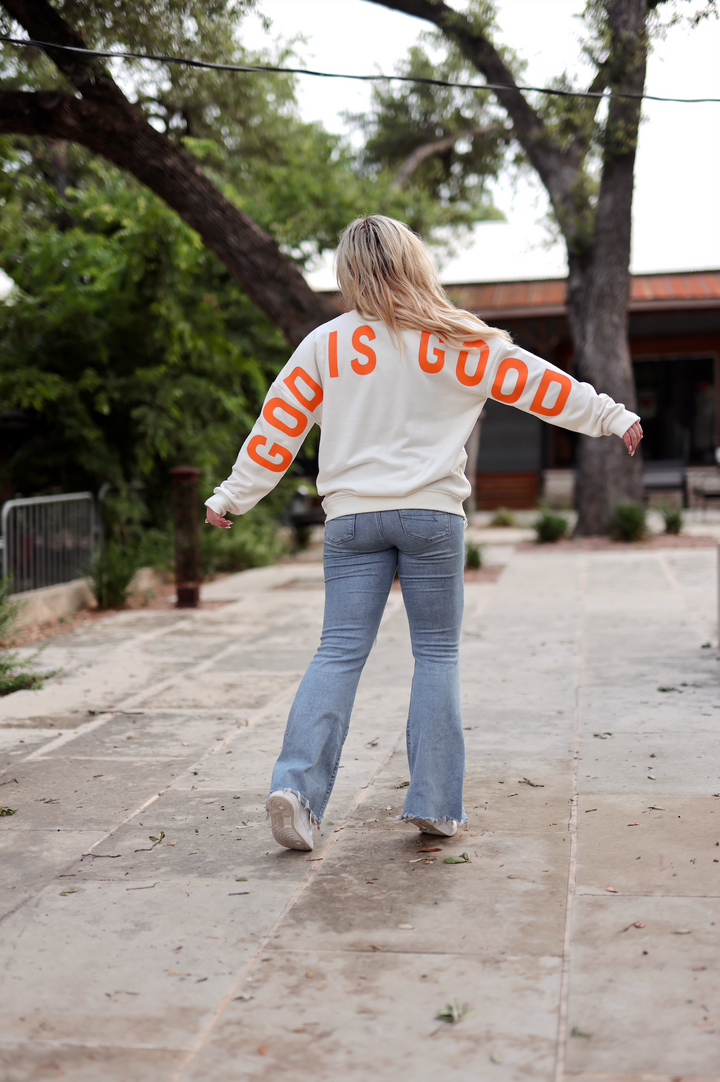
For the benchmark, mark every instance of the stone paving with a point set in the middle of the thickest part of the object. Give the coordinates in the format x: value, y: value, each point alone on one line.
x: 578, y: 944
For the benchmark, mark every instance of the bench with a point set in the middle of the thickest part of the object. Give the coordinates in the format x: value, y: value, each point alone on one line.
x: 666, y: 473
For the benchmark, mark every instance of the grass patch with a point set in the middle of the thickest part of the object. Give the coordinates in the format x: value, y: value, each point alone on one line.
x: 15, y: 675
x: 627, y: 522
x: 473, y: 557
x: 550, y: 527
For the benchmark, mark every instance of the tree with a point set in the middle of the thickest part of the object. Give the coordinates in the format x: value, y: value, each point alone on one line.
x: 128, y: 348
x: 564, y: 140
x: 107, y: 123
x: 221, y: 120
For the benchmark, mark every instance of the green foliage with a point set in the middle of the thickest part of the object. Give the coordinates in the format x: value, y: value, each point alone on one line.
x: 112, y: 572
x: 673, y: 518
x: 503, y: 517
x: 473, y: 557
x: 252, y: 541
x: 438, y: 142
x: 14, y: 674
x: 127, y: 348
x: 549, y: 526
x: 627, y: 522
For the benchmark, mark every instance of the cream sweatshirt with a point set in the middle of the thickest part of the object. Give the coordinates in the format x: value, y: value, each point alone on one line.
x: 394, y: 423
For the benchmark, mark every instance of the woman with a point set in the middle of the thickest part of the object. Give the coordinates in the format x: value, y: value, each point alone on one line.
x: 397, y: 384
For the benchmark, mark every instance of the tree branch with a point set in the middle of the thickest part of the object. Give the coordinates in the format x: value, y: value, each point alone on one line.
x: 104, y: 121
x: 428, y: 150
x: 87, y: 74
x: 557, y: 171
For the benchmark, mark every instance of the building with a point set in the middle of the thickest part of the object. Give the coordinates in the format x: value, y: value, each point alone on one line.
x: 674, y: 330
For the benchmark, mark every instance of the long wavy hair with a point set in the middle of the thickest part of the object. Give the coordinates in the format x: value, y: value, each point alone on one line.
x: 385, y: 273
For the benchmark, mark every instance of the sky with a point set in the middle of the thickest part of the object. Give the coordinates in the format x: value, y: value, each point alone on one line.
x: 676, y: 214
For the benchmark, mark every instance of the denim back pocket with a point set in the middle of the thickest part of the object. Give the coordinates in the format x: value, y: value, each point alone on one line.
x: 425, y: 525
x: 340, y: 530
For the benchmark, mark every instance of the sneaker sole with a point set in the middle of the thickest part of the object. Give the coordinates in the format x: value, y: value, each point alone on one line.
x: 426, y: 827
x: 282, y: 821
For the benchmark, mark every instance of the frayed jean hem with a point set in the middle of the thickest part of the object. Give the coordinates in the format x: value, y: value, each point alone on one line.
x: 407, y: 816
x: 303, y: 800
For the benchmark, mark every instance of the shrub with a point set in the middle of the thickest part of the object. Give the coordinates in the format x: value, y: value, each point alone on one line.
x: 627, y: 522
x: 473, y: 557
x: 253, y: 541
x: 673, y: 519
x: 503, y: 517
x: 112, y: 571
x: 550, y: 527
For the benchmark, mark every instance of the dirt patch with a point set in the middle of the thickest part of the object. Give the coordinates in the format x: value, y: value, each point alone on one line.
x: 605, y: 544
x: 161, y: 597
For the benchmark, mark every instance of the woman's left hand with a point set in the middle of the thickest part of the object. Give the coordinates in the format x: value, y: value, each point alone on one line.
x: 213, y: 519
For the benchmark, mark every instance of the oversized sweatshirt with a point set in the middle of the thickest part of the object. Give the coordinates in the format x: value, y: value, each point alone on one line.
x: 394, y: 422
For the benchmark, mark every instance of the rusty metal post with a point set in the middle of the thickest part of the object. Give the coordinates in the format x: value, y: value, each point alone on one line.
x: 187, y: 535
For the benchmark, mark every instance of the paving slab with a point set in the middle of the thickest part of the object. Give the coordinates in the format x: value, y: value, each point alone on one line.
x: 151, y: 929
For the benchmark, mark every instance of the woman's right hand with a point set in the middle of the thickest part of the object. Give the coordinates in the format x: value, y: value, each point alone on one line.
x: 632, y: 437
x: 213, y: 519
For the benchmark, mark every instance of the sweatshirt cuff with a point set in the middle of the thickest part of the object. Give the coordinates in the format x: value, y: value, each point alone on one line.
x: 622, y: 423
x: 217, y: 504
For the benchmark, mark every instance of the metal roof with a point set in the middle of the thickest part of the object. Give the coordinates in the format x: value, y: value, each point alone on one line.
x: 648, y: 292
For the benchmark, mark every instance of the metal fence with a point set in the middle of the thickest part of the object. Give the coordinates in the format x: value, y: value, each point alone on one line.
x: 47, y: 540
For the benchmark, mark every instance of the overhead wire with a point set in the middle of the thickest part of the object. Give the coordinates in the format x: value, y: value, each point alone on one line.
x: 183, y: 61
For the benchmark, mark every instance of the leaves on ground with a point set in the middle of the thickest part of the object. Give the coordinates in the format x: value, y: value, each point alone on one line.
x: 401, y: 785
x: 575, y: 1032
x: 70, y: 890
x: 671, y: 689
x: 8, y: 811
x: 534, y: 784
x: 602, y: 736
x: 453, y: 1013
x: 155, y: 841
x: 462, y: 859
x: 241, y: 879
x: 373, y: 743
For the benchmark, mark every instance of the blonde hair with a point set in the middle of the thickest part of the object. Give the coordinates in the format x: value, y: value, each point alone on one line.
x: 385, y: 273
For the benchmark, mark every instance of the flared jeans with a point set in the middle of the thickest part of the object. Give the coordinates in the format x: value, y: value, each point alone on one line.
x: 361, y: 555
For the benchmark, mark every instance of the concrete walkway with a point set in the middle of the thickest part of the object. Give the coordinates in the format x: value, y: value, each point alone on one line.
x: 580, y: 941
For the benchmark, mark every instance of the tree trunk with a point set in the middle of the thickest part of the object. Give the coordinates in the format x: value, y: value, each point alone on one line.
x: 599, y: 282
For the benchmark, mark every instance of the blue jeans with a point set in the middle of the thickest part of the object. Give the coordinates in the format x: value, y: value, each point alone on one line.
x: 362, y: 553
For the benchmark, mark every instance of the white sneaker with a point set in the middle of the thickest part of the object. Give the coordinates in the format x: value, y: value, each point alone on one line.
x: 446, y: 828
x: 290, y: 821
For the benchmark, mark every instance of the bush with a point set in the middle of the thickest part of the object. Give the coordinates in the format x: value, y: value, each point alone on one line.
x: 252, y: 541
x: 14, y: 675
x: 550, y: 527
x: 503, y: 517
x: 112, y: 572
x: 673, y: 519
x: 627, y: 522
x: 473, y: 557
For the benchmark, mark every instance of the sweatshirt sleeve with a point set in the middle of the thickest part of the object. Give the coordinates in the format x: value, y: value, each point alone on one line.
x: 293, y: 404
x: 519, y: 378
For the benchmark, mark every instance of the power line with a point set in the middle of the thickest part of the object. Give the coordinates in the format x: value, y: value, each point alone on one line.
x: 187, y: 62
